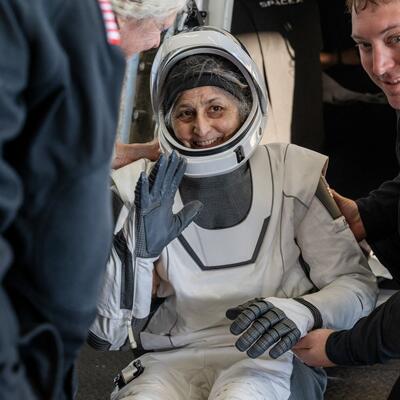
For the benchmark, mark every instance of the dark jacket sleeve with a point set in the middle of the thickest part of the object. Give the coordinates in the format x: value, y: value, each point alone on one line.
x: 374, y: 339
x: 14, y: 68
x: 380, y: 215
x: 380, y: 209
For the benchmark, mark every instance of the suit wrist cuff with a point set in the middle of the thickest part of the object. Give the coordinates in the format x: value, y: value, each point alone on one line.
x: 314, y: 311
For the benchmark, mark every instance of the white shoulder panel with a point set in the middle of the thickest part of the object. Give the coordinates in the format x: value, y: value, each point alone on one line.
x: 303, y: 168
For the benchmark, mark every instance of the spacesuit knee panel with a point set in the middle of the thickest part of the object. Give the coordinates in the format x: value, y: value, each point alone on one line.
x: 157, y: 381
x: 248, y: 380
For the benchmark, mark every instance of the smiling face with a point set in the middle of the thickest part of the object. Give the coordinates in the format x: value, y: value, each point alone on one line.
x: 376, y: 31
x: 205, y: 117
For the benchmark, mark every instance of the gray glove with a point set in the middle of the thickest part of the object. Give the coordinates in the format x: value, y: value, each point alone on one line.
x: 266, y: 325
x: 155, y: 224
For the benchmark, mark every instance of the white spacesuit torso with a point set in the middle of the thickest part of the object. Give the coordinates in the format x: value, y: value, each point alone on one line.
x: 287, y: 246
x: 267, y: 229
x: 204, y: 272
x: 211, y: 270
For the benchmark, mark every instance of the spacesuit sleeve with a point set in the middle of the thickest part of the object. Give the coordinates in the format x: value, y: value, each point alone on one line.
x: 126, y: 294
x: 337, y: 267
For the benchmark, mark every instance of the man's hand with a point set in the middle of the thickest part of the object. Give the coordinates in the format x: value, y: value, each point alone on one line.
x: 265, y: 325
x: 311, y: 348
x: 155, y: 223
x: 350, y: 211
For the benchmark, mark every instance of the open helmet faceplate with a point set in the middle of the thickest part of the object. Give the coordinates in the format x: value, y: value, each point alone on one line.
x: 238, y: 149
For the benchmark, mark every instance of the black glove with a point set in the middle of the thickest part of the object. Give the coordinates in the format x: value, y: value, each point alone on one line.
x: 155, y: 224
x: 266, y: 325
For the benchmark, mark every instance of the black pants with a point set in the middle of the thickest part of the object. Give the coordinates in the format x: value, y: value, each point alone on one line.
x: 395, y: 393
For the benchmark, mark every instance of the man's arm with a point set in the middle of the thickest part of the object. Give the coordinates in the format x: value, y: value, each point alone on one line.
x: 379, y: 211
x: 374, y: 339
x: 364, y: 219
x: 126, y: 153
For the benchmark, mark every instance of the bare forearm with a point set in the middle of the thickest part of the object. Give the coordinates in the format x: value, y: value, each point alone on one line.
x: 126, y: 153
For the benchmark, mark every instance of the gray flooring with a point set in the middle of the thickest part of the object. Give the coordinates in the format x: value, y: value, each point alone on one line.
x: 96, y: 372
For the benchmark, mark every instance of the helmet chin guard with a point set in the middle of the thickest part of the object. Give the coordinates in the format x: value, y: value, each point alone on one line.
x: 238, y: 149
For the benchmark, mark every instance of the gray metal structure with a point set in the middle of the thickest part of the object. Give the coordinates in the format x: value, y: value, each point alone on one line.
x: 127, y: 102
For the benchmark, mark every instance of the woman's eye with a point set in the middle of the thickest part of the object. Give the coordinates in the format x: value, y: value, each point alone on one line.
x: 216, y: 109
x: 185, y: 115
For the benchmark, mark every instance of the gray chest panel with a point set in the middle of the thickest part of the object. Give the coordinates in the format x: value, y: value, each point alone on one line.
x: 240, y: 244
x: 227, y: 198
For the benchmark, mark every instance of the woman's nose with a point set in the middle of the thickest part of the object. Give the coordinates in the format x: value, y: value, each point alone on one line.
x: 201, y: 126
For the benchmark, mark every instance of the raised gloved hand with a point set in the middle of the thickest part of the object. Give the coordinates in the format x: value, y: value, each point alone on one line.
x: 155, y: 224
x: 264, y: 324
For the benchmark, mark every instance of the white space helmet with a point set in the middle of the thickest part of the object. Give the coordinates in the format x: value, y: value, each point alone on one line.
x: 238, y: 149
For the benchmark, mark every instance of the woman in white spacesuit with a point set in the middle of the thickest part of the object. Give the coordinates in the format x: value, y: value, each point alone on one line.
x: 251, y: 225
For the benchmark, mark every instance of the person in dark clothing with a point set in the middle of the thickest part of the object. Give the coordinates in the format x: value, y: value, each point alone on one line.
x: 60, y: 80
x: 374, y: 339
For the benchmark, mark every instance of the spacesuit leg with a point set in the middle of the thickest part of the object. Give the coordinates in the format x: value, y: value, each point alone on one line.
x: 306, y: 382
x: 168, y: 376
x: 157, y: 382
x: 254, y: 379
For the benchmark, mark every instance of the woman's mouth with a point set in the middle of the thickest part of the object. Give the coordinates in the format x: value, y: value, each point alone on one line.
x: 205, y: 144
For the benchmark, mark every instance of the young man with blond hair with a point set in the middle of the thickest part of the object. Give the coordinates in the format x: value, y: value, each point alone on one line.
x: 374, y: 339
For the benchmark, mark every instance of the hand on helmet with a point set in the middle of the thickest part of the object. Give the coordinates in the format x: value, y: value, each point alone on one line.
x: 155, y: 223
x: 263, y: 325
